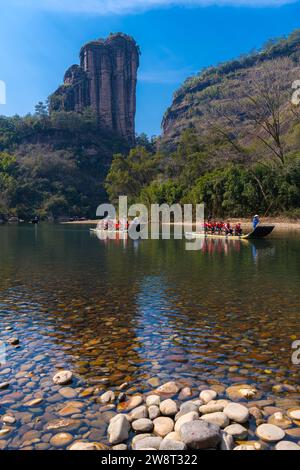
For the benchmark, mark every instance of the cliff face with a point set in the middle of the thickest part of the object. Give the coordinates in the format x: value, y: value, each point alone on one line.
x: 105, y: 80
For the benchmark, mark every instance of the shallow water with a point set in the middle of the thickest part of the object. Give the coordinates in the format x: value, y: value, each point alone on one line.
x: 132, y: 311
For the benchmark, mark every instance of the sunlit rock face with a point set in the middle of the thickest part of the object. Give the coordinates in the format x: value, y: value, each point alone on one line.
x: 105, y: 81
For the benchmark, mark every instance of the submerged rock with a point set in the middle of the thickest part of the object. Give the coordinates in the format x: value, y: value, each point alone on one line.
x: 61, y: 439
x: 63, y: 378
x: 270, y: 433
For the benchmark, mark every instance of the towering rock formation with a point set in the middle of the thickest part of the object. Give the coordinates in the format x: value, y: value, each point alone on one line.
x: 106, y: 81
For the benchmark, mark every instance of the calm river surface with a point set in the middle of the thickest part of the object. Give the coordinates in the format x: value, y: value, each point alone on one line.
x: 139, y: 312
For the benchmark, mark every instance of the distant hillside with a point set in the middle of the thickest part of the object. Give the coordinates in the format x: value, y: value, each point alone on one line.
x: 223, y: 84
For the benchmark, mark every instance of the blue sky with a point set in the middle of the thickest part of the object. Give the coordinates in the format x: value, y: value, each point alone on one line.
x: 39, y: 39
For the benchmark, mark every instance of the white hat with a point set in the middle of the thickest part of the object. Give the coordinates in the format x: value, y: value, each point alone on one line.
x: 256, y: 215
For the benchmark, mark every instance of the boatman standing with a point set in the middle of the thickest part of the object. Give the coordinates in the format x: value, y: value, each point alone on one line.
x: 255, y: 221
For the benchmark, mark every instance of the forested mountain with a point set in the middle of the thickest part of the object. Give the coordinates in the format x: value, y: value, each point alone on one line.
x: 231, y: 138
x: 54, y: 166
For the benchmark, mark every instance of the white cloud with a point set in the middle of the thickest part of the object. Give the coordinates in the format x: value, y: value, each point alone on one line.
x: 106, y: 7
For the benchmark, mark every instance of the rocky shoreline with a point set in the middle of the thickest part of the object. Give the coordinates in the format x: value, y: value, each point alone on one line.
x: 172, y: 416
x: 170, y: 419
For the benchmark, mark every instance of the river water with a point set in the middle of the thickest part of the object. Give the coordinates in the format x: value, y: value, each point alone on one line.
x: 141, y: 312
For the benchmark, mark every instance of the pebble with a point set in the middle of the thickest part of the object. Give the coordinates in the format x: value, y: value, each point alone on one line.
x: 67, y: 392
x: 169, y: 444
x: 61, y: 439
x: 69, y: 424
x: 219, y: 419
x: 186, y: 418
x: 8, y: 419
x: 118, y: 429
x: 278, y: 419
x: 173, y: 436
x: 63, y: 378
x: 240, y: 392
x: 188, y: 406
x: 200, y: 435
x: 227, y: 442
x: 213, y: 406
x: 207, y: 395
x: 87, y: 446
x: 295, y: 432
x: 153, y: 400
x: 185, y: 393
x: 168, y: 407
x: 69, y: 410
x: 236, y: 431
x: 121, y: 447
x: 294, y: 413
x: 132, y: 403
x: 153, y: 412
x: 245, y: 447
x: 169, y: 388
x: 4, y: 431
x: 107, y: 397
x: 287, y: 445
x: 138, y: 413
x: 270, y: 433
x: 149, y: 442
x: 163, y: 426
x: 237, y: 412
x: 33, y: 403
x: 4, y: 385
x: 142, y: 425
x: 13, y: 341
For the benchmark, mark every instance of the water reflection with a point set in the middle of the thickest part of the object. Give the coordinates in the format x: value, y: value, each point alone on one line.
x: 141, y: 312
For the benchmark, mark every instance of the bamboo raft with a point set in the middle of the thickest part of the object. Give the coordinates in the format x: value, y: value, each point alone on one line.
x: 261, y: 231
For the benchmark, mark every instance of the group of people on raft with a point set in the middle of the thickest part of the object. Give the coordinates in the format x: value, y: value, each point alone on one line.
x: 118, y: 225
x: 225, y: 228
x: 222, y: 228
